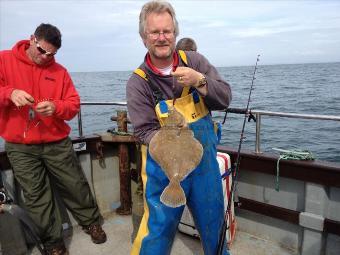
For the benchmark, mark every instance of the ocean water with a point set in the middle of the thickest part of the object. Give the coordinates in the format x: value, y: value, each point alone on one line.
x: 294, y: 88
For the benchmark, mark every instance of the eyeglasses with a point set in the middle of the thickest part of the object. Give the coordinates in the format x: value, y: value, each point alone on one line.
x: 42, y: 51
x: 166, y: 34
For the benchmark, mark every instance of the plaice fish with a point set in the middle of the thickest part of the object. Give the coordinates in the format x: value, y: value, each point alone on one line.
x: 178, y: 153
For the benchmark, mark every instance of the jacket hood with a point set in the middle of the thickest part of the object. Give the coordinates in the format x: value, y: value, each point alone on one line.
x: 19, y: 51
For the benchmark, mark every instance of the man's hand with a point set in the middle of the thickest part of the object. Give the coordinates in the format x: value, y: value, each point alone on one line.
x: 45, y: 108
x: 189, y: 77
x: 21, y: 98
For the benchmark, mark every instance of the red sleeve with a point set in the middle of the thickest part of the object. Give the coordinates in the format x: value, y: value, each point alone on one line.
x: 5, y: 90
x: 68, y: 106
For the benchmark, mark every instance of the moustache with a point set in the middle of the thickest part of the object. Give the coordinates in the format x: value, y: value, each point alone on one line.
x: 162, y: 44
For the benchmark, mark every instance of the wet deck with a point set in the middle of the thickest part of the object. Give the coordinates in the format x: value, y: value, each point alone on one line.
x: 119, y: 229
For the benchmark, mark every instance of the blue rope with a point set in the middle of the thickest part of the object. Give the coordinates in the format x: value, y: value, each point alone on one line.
x: 292, y: 154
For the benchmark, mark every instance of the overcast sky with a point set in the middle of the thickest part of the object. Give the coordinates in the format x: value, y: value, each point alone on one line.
x: 103, y: 35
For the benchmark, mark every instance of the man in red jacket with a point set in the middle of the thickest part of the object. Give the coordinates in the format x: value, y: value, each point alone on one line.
x: 37, y: 96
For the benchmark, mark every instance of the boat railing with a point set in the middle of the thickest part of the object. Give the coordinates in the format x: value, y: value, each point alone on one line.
x: 257, y: 113
x: 80, y: 122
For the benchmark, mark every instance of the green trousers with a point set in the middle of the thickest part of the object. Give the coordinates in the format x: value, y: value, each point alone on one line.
x: 45, y: 169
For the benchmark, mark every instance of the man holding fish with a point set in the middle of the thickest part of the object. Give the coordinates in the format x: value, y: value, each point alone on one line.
x: 169, y: 98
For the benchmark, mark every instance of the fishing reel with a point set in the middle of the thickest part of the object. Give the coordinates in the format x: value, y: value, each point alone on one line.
x: 251, y: 117
x: 4, y: 198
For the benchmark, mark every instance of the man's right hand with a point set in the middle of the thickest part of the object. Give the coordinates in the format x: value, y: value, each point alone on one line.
x: 21, y: 98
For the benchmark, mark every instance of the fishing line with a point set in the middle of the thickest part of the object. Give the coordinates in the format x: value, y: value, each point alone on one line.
x: 173, y: 86
x: 235, y: 169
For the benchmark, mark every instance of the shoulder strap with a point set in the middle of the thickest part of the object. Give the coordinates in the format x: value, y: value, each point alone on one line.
x: 141, y: 73
x: 156, y: 92
x: 186, y: 90
x: 183, y: 57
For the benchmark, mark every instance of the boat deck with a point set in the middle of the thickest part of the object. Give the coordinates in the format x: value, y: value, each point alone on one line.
x: 119, y: 229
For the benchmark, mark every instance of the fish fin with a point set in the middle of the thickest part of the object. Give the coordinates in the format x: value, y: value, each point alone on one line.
x: 173, y: 195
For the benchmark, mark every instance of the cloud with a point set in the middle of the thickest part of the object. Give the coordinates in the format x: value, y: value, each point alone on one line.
x: 103, y: 35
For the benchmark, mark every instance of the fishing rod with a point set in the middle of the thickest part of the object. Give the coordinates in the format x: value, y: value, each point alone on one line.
x: 234, y: 171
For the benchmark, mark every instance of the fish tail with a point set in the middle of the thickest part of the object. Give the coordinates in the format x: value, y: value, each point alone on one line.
x: 173, y: 195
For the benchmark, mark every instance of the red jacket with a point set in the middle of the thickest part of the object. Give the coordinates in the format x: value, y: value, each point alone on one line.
x: 51, y: 82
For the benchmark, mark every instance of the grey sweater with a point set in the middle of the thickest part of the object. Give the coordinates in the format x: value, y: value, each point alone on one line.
x: 141, y: 103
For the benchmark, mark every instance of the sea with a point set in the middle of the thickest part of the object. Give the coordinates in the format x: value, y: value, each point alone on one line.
x: 290, y: 88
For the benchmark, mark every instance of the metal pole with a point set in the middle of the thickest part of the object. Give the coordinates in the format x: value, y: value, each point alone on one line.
x: 80, y: 124
x: 258, y: 133
x: 124, y: 168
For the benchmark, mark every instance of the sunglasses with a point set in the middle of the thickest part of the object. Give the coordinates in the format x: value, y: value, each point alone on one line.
x: 42, y: 51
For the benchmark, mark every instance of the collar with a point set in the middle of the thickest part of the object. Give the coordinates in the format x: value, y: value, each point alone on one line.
x: 155, y: 69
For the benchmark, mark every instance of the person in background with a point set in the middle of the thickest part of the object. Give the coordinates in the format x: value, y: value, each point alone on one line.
x: 186, y: 44
x: 37, y: 96
x: 188, y: 77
